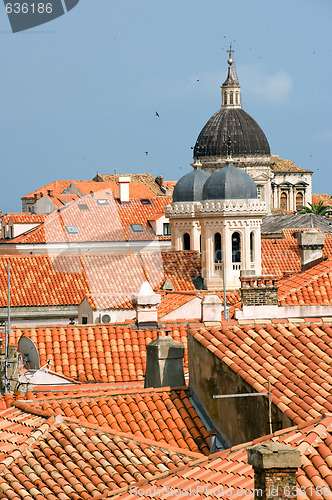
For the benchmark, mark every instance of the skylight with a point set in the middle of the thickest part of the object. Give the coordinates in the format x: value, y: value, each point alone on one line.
x: 83, y: 206
x: 102, y: 202
x: 146, y: 201
x: 137, y: 228
x: 72, y: 230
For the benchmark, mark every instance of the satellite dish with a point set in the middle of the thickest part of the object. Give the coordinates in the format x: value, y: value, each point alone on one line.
x: 29, y: 353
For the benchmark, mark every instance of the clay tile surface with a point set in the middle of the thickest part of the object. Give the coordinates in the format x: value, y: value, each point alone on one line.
x: 312, y: 287
x: 46, y: 280
x: 281, y: 165
x: 283, y: 255
x: 97, y: 353
x: 67, y: 459
x: 99, y: 218
x: 298, y: 364
x: 164, y: 415
x: 228, y: 475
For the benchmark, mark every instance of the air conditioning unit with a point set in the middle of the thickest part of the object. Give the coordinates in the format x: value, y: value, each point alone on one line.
x: 105, y: 318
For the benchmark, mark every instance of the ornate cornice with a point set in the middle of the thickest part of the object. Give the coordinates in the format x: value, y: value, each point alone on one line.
x: 232, y: 207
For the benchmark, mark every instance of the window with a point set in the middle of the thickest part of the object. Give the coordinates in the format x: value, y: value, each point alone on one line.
x: 72, y: 230
x: 217, y: 248
x: 252, y: 246
x: 3, y: 232
x: 259, y: 192
x: 236, y: 247
x: 83, y: 206
x: 84, y: 320
x: 186, y: 241
x: 146, y: 201
x: 137, y: 228
x: 231, y: 98
x: 299, y: 201
x: 102, y: 202
x: 11, y: 232
x: 166, y: 229
x: 283, y: 201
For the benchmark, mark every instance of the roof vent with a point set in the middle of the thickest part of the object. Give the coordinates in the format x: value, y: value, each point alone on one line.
x: 167, y: 285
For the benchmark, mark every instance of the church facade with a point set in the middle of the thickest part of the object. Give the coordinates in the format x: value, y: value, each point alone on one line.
x: 282, y: 185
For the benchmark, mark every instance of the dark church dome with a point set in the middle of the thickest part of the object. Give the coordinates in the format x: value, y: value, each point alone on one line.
x: 233, y: 124
x: 229, y: 183
x: 190, y: 186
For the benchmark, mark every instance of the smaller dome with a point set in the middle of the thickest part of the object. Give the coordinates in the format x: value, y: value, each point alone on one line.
x: 190, y: 186
x: 229, y: 183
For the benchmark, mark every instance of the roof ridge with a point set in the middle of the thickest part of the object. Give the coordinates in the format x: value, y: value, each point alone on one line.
x: 131, y: 437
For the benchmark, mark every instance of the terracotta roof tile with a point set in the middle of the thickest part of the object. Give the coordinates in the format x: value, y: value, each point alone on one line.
x: 301, y: 357
x: 72, y: 459
x: 281, y: 165
x: 97, y: 353
x: 98, y: 222
x: 228, y: 475
x: 312, y: 287
x: 164, y: 415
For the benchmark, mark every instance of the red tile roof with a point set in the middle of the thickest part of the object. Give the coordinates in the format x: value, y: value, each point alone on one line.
x: 24, y: 218
x: 110, y: 221
x: 101, y: 353
x: 42, y: 280
x: 281, y: 165
x: 68, y: 459
x: 136, y: 188
x: 144, y: 180
x: 325, y: 198
x: 312, y: 287
x: 281, y: 255
x: 297, y: 358
x: 228, y: 475
x: 165, y: 415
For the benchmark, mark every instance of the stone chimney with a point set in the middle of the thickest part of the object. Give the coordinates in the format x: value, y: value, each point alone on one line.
x: 164, y: 363
x: 159, y: 180
x: 146, y: 303
x: 259, y: 290
x: 311, y: 245
x: 124, y: 189
x: 211, y: 307
x: 275, y: 467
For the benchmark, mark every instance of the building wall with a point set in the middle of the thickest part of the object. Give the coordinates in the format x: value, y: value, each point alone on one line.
x: 237, y: 419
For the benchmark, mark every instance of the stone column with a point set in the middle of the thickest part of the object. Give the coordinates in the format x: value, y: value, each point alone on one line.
x: 275, y: 467
x: 245, y: 258
x: 257, y: 250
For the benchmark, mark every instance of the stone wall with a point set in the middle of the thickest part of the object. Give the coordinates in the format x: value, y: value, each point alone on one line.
x: 237, y: 419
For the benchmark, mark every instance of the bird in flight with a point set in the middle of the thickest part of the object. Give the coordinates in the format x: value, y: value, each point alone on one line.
x: 146, y: 152
x: 157, y: 114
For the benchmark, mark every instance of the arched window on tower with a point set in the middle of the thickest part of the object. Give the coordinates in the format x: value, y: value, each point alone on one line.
x: 217, y: 248
x: 252, y: 247
x: 231, y: 98
x: 186, y: 241
x: 283, y: 201
x: 299, y: 201
x: 236, y: 251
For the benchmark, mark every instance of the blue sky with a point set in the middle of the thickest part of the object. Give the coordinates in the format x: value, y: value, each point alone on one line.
x: 79, y: 94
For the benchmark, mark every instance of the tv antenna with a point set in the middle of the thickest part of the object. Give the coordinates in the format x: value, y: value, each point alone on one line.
x: 29, y: 354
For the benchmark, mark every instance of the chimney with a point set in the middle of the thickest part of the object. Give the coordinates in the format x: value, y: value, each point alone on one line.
x: 159, y: 180
x: 124, y: 189
x: 146, y: 303
x: 311, y: 245
x: 275, y: 467
x: 164, y: 363
x: 211, y: 308
x: 259, y: 290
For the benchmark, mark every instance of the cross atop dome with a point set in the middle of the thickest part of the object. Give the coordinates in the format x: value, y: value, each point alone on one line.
x: 230, y: 89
